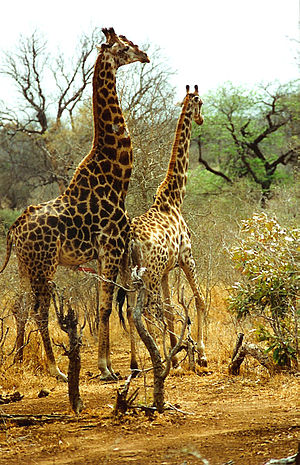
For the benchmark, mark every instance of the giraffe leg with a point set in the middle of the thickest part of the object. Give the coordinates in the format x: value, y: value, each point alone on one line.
x: 124, y: 273
x: 42, y: 297
x: 153, y: 310
x: 169, y: 314
x: 133, y: 334
x: 188, y: 266
x: 106, y: 298
x: 20, y: 312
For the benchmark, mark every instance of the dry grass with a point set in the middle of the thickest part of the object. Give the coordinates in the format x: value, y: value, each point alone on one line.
x: 221, y: 331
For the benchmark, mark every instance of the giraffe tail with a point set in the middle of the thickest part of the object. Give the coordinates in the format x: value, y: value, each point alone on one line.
x: 9, y: 242
x: 121, y: 295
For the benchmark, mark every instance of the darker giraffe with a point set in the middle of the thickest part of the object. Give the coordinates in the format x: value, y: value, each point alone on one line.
x: 160, y: 238
x: 88, y: 221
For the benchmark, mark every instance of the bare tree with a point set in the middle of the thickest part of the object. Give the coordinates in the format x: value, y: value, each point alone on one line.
x: 146, y: 97
x: 41, y: 108
x: 161, y: 363
x: 68, y: 322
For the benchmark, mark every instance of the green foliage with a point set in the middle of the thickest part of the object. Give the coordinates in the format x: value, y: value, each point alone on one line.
x: 7, y: 217
x: 201, y: 181
x: 251, y: 133
x: 268, y: 258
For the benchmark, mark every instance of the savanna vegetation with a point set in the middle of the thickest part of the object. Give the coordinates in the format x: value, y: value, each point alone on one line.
x: 242, y: 202
x: 242, y: 207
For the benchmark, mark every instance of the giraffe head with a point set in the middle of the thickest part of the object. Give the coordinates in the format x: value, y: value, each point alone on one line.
x: 194, y: 104
x: 121, y: 50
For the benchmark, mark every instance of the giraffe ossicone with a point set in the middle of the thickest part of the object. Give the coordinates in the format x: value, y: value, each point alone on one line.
x: 88, y: 221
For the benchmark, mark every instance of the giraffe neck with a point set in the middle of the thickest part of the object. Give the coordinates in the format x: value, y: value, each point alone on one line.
x: 172, y: 189
x: 111, y: 153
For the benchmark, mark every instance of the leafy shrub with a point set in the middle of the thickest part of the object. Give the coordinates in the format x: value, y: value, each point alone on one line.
x: 267, y: 257
x: 7, y: 217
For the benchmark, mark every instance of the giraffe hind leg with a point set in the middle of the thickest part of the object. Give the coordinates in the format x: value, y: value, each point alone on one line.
x: 20, y: 312
x: 169, y: 313
x: 133, y: 334
x: 188, y: 266
x: 109, y: 272
x: 42, y: 297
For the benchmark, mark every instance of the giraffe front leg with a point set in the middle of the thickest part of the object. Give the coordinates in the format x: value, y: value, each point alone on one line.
x: 104, y: 360
x: 200, y: 306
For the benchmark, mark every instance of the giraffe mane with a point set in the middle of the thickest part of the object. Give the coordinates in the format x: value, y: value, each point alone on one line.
x: 129, y: 42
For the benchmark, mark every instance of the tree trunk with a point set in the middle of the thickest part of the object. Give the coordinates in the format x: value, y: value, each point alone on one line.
x: 159, y: 390
x: 240, y: 352
x: 159, y: 371
x: 69, y: 324
x: 74, y: 370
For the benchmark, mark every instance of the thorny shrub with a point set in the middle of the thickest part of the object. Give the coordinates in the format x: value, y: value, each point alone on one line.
x: 268, y: 258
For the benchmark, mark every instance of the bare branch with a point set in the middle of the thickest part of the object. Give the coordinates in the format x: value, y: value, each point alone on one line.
x: 206, y: 164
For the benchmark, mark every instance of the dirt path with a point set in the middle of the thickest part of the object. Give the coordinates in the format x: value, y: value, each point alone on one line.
x: 246, y: 419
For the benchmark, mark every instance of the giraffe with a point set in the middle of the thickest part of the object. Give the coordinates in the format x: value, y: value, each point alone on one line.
x: 88, y: 221
x: 160, y: 238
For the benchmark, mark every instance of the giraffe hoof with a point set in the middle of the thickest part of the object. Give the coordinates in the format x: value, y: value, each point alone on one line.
x: 110, y: 376
x: 202, y: 362
x: 59, y: 375
x: 177, y: 369
x: 135, y: 372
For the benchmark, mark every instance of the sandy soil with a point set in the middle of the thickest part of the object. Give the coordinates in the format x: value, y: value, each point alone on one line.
x: 247, y: 419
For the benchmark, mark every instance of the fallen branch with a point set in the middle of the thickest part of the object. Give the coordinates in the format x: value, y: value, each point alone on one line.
x: 15, y: 397
x: 242, y: 350
x: 27, y: 420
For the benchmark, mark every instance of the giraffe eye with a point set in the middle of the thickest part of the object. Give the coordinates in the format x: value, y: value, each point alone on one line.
x: 123, y: 51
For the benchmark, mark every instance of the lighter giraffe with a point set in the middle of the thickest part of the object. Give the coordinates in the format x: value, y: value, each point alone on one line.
x: 88, y: 221
x: 160, y: 238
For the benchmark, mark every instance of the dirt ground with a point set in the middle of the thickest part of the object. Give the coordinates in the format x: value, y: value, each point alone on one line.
x: 247, y: 419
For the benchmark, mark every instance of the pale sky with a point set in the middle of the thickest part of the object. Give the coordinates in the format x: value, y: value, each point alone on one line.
x: 208, y: 42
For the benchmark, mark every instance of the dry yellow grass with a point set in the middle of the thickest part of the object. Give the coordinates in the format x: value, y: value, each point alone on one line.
x: 220, y: 334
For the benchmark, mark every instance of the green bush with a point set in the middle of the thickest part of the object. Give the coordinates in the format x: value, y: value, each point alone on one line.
x: 267, y: 256
x: 7, y: 217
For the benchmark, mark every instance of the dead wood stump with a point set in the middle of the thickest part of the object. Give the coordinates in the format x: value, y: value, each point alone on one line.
x: 241, y: 350
x: 124, y: 402
x: 69, y: 324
